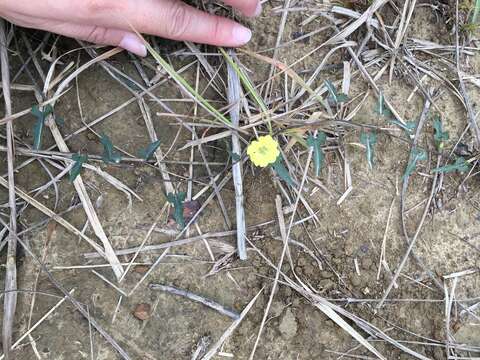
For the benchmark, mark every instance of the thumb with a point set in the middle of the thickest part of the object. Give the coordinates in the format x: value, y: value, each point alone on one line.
x: 100, y: 35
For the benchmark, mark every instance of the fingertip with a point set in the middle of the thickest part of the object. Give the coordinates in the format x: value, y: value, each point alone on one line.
x: 134, y: 44
x: 240, y: 35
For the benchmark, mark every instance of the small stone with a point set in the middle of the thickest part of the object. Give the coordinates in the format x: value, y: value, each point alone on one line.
x: 277, y: 308
x: 349, y: 248
x: 326, y: 274
x: 296, y: 302
x: 302, y: 262
x: 327, y: 284
x: 287, y: 291
x: 355, y: 280
x: 367, y: 263
x: 309, y: 270
x: 142, y: 311
x: 288, y: 326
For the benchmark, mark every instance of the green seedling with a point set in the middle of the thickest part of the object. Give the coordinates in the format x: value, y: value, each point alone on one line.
x: 60, y: 121
x: 282, y: 171
x: 476, y: 12
x: 408, y: 127
x: 235, y: 157
x: 147, y: 153
x: 440, y: 136
x: 334, y: 95
x: 460, y: 165
x: 415, y: 156
x: 381, y: 109
x: 369, y: 140
x: 77, y: 166
x: 39, y: 124
x: 109, y: 154
x: 318, y: 155
x: 177, y: 200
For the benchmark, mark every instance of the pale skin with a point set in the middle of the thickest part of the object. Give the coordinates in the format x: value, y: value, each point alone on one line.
x: 110, y: 22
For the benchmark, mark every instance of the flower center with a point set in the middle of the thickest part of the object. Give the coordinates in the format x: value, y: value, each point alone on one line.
x: 263, y: 150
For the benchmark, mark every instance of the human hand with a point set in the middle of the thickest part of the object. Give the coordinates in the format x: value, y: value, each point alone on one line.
x: 110, y: 22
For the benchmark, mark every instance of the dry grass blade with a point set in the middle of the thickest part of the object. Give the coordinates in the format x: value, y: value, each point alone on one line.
x: 37, y: 324
x: 147, y: 116
x: 290, y: 72
x: 234, y: 102
x: 211, y: 353
x: 470, y: 112
x: 365, y: 17
x: 10, y: 301
x: 39, y: 206
x: 285, y: 237
x: 77, y: 305
x: 184, y: 85
x: 194, y: 297
x: 327, y: 308
x: 78, y: 182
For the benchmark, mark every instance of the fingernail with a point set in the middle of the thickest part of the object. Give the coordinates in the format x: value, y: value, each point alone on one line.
x: 241, y: 34
x: 132, y: 43
x: 258, y: 10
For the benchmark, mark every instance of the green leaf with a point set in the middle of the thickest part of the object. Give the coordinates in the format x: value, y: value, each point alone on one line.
x: 235, y: 157
x: 228, y: 147
x: 415, y: 156
x: 381, y: 109
x: 39, y: 124
x: 282, y: 171
x: 440, y: 136
x: 476, y: 12
x: 150, y: 150
x: 109, y: 154
x: 318, y: 155
x: 59, y: 120
x: 460, y: 165
x: 336, y: 97
x: 369, y: 140
x: 177, y: 200
x: 77, y: 167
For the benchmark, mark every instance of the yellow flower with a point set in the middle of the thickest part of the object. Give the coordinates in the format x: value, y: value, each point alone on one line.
x: 263, y: 151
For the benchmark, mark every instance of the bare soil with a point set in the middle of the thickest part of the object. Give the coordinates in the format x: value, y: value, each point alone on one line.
x: 347, y: 234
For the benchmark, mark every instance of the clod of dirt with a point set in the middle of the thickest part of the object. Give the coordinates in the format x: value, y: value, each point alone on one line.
x: 142, y: 311
x: 288, y: 326
x: 141, y: 269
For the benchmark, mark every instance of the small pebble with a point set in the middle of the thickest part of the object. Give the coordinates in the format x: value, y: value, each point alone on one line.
x: 142, y: 311
x: 327, y: 284
x: 367, y: 263
x: 355, y: 280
